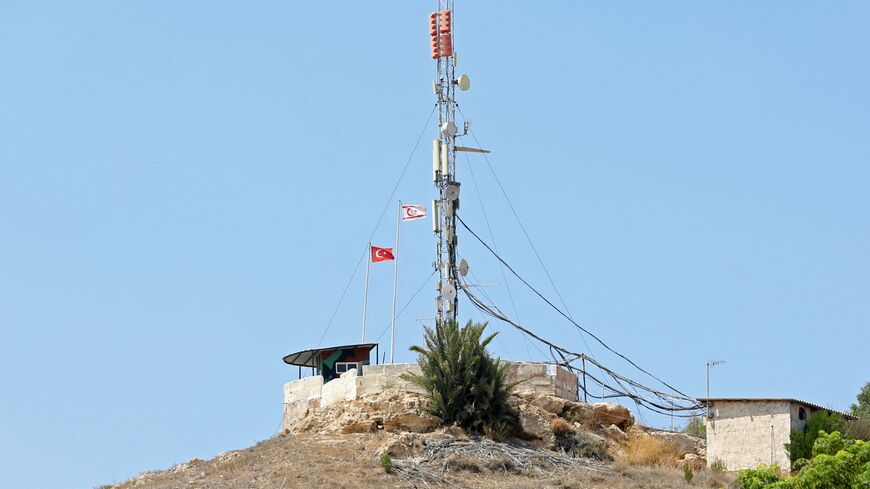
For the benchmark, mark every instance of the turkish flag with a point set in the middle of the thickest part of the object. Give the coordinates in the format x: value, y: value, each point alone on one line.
x: 382, y: 254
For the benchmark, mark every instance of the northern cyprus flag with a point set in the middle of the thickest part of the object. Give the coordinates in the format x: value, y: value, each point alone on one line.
x: 411, y: 212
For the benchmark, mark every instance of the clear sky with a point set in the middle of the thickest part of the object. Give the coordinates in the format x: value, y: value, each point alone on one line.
x: 186, y: 187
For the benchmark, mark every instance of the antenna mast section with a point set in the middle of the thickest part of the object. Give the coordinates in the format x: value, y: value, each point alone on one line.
x: 444, y: 159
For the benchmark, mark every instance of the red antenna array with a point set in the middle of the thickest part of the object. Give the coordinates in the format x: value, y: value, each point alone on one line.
x: 440, y: 35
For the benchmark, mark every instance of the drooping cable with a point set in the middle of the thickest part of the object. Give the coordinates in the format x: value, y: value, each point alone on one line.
x: 655, y: 400
x: 623, y: 392
x: 562, y: 313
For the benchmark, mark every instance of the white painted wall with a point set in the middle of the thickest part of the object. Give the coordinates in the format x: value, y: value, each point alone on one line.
x: 341, y: 388
x: 745, y: 434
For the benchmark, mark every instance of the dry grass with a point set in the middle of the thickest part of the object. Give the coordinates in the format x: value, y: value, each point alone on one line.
x: 559, y: 426
x: 650, y: 451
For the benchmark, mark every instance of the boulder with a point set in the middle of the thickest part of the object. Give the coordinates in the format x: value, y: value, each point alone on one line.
x: 685, y: 444
x: 534, y: 423
x: 411, y: 421
x: 364, y: 426
x: 551, y: 404
x: 579, y: 412
x: 614, y: 433
x: 403, y: 445
x: 607, y: 414
x: 694, y: 461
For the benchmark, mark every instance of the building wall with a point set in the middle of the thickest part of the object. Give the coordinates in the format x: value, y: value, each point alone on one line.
x: 378, y: 378
x: 745, y: 434
x: 798, y: 424
x: 343, y: 388
x: 543, y: 378
x: 302, y: 395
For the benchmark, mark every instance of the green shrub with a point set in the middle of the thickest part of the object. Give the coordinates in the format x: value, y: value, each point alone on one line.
x: 467, y: 385
x: 387, y: 462
x: 759, y: 478
x: 830, y: 444
x: 688, y: 474
x: 801, y: 442
x: 718, y: 466
x: 798, y: 464
x: 848, y: 468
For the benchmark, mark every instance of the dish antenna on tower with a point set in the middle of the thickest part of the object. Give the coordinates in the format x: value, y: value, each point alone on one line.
x: 464, y: 82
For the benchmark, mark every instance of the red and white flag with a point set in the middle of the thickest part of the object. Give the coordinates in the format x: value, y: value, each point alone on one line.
x: 382, y: 254
x: 411, y: 212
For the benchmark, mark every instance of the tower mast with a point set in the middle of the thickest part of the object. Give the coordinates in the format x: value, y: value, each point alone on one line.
x: 444, y: 161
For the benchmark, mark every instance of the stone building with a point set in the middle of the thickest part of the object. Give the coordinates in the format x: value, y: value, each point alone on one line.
x: 745, y: 433
x: 344, y: 373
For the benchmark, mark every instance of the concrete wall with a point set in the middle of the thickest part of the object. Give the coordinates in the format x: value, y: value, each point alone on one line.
x: 378, y: 378
x: 311, y: 393
x: 745, y: 434
x: 543, y: 378
x: 342, y: 388
x: 566, y: 384
x: 300, y: 396
x: 797, y: 424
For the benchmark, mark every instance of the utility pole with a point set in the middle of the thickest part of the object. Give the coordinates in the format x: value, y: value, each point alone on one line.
x: 710, y: 365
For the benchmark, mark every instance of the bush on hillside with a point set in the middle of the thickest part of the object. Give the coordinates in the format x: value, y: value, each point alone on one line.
x: 760, y: 478
x: 467, y: 385
x: 801, y: 441
x: 839, y: 463
x: 862, y: 408
x: 830, y: 444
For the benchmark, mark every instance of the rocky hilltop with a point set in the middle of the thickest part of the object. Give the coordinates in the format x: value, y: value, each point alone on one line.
x: 388, y: 439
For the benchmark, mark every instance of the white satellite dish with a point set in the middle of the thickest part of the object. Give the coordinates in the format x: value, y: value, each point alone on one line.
x: 448, y: 293
x: 464, y: 82
x: 448, y: 129
x: 463, y: 267
x: 452, y: 191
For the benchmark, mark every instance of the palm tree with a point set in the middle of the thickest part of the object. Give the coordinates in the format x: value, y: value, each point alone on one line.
x: 466, y: 383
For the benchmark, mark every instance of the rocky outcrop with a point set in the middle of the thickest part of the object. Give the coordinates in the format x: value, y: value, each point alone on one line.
x: 403, y: 444
x: 615, y: 433
x: 586, y: 430
x: 392, y: 412
x: 534, y: 423
x: 685, y: 444
x: 607, y: 414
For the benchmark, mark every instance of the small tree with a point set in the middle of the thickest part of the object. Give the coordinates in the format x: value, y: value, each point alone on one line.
x: 862, y: 409
x: 696, y: 427
x: 467, y: 385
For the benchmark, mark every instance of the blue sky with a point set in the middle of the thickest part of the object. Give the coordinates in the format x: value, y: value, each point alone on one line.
x: 185, y: 188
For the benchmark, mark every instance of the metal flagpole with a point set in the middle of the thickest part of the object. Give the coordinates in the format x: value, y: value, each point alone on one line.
x: 395, y: 284
x: 366, y: 296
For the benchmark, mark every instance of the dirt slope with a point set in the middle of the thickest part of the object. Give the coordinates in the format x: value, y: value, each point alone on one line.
x: 557, y: 444
x: 351, y: 461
